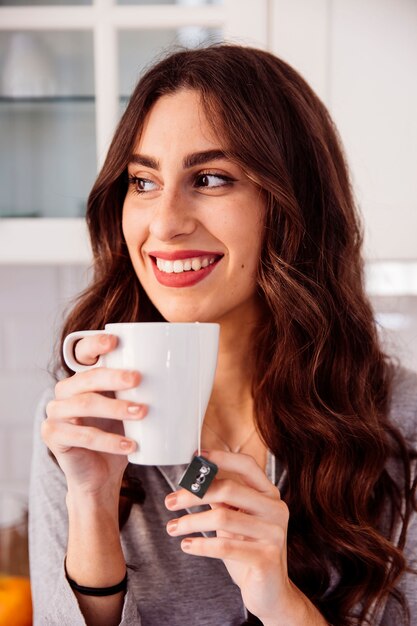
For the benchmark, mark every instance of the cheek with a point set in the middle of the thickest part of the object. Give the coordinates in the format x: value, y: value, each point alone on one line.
x: 247, y: 242
x: 126, y: 224
x: 132, y: 229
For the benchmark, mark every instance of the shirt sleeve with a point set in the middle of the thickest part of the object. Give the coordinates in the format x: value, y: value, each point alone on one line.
x: 407, y: 585
x: 403, y: 412
x: 53, y: 599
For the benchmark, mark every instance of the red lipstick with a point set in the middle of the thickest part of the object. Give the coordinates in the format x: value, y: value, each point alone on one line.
x: 184, y: 254
x: 186, y: 278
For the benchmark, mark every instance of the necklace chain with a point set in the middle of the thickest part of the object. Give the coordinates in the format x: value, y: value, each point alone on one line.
x: 228, y: 448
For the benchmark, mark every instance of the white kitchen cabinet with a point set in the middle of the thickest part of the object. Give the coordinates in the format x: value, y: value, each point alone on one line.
x: 66, y: 71
x: 359, y: 56
x: 47, y: 123
x: 373, y: 98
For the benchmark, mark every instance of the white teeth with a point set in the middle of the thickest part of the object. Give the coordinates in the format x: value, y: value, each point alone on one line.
x: 184, y: 265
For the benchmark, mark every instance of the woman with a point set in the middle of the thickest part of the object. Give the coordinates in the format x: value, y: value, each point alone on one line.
x: 224, y: 155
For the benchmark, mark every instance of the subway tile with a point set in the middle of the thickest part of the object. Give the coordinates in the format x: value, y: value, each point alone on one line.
x: 32, y: 304
x: 20, y: 454
x: 16, y: 455
x: 20, y: 393
x: 397, y: 322
x: 4, y: 455
x: 73, y: 279
x: 2, y: 347
x: 28, y: 341
x: 25, y: 288
x: 16, y: 486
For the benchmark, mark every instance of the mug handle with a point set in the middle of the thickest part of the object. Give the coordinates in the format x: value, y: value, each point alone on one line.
x: 68, y: 350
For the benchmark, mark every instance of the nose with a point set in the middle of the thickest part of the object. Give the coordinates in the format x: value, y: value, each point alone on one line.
x: 173, y: 216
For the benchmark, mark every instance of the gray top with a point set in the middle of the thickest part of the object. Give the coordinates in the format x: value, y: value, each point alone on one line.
x: 167, y: 587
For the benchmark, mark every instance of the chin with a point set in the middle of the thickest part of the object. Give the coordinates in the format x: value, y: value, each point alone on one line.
x: 183, y: 318
x: 185, y: 315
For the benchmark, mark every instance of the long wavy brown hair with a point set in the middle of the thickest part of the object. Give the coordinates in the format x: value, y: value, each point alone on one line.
x: 321, y: 383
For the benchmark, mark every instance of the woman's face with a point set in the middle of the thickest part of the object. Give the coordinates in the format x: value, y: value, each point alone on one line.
x: 192, y: 220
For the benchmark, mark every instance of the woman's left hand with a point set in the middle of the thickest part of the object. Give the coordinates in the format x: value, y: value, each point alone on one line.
x: 250, y: 521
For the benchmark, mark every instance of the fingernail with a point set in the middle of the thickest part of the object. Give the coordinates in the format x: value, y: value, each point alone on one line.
x: 129, y: 377
x: 202, y: 452
x: 171, y: 500
x: 186, y: 544
x: 172, y: 525
x: 126, y: 444
x: 104, y: 339
x: 134, y: 409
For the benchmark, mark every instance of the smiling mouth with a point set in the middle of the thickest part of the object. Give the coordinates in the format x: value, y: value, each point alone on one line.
x: 179, y: 266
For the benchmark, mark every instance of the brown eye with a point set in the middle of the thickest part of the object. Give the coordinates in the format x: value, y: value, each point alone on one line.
x: 142, y: 185
x: 211, y: 181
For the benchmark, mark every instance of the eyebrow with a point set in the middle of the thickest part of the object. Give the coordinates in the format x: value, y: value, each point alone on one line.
x: 191, y: 160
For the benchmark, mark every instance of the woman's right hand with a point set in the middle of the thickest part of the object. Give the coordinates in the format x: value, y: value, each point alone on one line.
x: 84, y: 428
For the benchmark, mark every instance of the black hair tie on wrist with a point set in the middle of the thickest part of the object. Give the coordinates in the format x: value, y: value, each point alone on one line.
x: 98, y: 591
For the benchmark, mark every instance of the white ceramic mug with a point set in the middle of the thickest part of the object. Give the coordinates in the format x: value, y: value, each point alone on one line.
x: 177, y: 362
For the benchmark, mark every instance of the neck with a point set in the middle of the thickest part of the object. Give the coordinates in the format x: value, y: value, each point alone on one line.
x: 230, y: 410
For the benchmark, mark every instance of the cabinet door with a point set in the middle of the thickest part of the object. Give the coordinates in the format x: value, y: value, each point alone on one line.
x: 153, y: 3
x: 138, y: 49
x: 47, y: 123
x: 361, y: 58
x: 373, y: 97
x: 56, y: 121
x: 35, y: 3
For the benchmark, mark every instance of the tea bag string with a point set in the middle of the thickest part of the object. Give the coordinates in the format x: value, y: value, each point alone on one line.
x: 272, y: 469
x: 200, y: 411
x: 226, y: 445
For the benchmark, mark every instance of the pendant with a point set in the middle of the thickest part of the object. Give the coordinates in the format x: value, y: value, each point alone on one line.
x: 198, y: 476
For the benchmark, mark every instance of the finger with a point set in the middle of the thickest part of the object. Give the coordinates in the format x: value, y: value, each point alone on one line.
x: 246, y: 467
x: 95, y: 405
x: 88, y: 349
x: 97, y: 379
x: 231, y: 493
x: 226, y: 520
x: 248, y: 552
x: 60, y: 437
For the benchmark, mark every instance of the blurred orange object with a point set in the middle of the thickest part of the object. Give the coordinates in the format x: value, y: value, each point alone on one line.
x: 15, y: 601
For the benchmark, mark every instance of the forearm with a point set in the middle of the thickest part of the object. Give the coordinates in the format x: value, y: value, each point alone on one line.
x: 94, y: 556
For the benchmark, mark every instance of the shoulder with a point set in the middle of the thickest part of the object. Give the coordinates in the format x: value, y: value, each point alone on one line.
x: 403, y: 403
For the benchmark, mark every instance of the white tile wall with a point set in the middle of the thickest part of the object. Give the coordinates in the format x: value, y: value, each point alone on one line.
x: 2, y: 360
x: 397, y: 318
x: 32, y: 301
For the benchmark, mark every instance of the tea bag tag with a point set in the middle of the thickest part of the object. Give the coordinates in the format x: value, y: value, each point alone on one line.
x: 198, y: 476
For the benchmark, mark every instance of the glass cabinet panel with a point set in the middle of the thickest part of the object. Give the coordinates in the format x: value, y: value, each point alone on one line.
x: 47, y: 123
x: 139, y: 49
x: 36, y: 3
x: 179, y: 2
